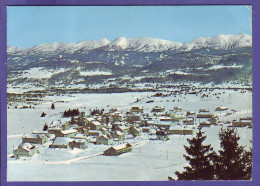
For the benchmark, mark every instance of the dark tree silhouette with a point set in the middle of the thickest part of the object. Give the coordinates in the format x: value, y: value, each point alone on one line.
x: 200, y: 159
x: 233, y: 161
x: 45, y: 128
x: 43, y: 114
x: 52, y: 106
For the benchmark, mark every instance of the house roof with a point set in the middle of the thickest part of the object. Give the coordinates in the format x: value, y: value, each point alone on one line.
x: 34, y: 136
x: 122, y: 127
x: 119, y: 133
x: 118, y: 147
x: 62, y: 141
x: 26, y: 146
x: 69, y: 131
x: 96, y: 123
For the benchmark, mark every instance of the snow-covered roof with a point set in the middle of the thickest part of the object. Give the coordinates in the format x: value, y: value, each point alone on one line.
x: 122, y: 127
x: 69, y: 131
x: 96, y: 123
x: 119, y: 133
x: 26, y: 146
x: 34, y: 135
x: 62, y: 141
x: 118, y: 147
x: 90, y: 119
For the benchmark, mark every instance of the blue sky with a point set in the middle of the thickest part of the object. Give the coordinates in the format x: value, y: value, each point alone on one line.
x: 33, y: 25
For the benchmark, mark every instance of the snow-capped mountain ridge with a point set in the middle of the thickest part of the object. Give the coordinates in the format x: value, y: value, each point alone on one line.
x: 141, y: 44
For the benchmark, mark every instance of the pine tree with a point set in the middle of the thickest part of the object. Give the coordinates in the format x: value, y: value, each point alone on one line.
x: 233, y: 161
x: 43, y: 114
x: 52, y: 106
x: 45, y: 128
x: 200, y: 159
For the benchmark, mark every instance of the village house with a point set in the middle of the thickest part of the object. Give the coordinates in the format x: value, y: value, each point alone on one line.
x: 137, y: 109
x: 25, y: 150
x: 105, y: 140
x: 203, y: 110
x: 42, y: 132
x: 117, y: 135
x: 162, y: 125
x: 78, y: 143
x: 122, y: 129
x: 67, y: 133
x: 135, y: 132
x: 205, y: 124
x: 177, y: 109
x: 188, y: 121
x: 61, y: 142
x: 146, y: 129
x: 242, y: 123
x: 65, y: 126
x: 35, y: 138
x: 104, y: 130
x: 205, y: 115
x: 131, y: 118
x: 54, y: 130
x: 158, y: 109
x: 117, y: 150
x: 94, y: 133
x: 161, y: 135
x: 94, y: 125
x: 114, y: 117
x: 221, y: 108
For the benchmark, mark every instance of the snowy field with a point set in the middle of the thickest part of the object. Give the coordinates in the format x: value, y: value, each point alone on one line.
x: 151, y: 160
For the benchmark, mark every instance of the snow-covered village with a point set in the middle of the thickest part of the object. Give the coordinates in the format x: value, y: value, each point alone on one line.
x: 128, y: 99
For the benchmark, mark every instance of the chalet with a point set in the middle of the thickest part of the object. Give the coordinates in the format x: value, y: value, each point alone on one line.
x: 135, y: 132
x: 187, y: 131
x: 94, y: 125
x: 67, y: 133
x: 117, y: 150
x: 177, y: 109
x: 213, y: 121
x: 188, y: 121
x: 65, y: 126
x: 104, y: 130
x: 146, y: 129
x: 94, y: 133
x: 137, y: 109
x: 118, y: 135
x: 221, y: 108
x: 122, y: 129
x: 205, y: 124
x: 242, y: 123
x: 203, y: 110
x: 35, y: 138
x: 158, y: 109
x: 78, y: 143
x: 25, y: 150
x: 165, y: 119
x: 161, y: 135
x: 54, y: 130
x: 61, y: 142
x: 114, y: 117
x: 105, y: 140
x: 42, y: 132
x: 162, y: 125
x: 205, y: 115
x: 176, y: 130
x: 131, y: 118
x: 80, y: 136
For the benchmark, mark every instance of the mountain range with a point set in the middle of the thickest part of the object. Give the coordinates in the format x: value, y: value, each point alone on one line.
x: 224, y: 58
x: 141, y: 44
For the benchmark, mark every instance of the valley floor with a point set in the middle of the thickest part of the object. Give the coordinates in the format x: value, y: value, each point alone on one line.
x: 151, y: 160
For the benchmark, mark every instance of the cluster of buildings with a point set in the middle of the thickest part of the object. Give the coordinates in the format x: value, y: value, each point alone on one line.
x: 116, y: 127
